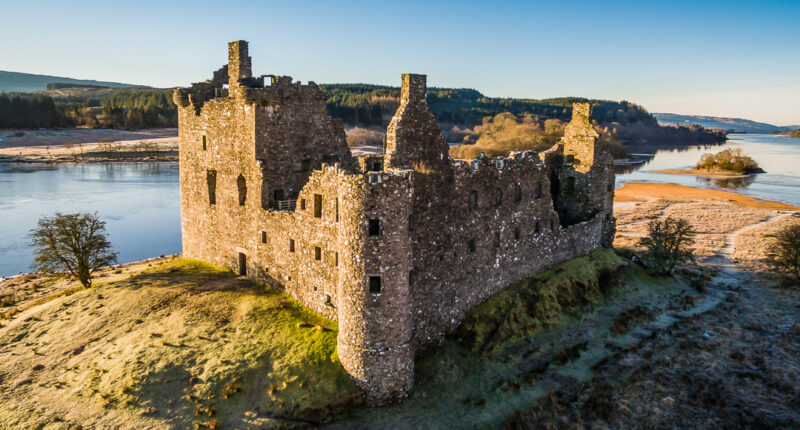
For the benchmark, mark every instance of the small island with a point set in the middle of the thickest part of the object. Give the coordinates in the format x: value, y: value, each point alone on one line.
x: 730, y: 163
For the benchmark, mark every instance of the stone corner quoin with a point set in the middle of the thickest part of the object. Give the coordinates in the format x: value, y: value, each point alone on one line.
x: 396, y: 247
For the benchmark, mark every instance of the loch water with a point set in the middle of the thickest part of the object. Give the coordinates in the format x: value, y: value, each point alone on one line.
x: 778, y: 155
x: 140, y: 203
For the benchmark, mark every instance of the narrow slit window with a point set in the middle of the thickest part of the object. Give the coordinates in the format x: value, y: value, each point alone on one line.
x: 498, y: 197
x: 204, y: 142
x: 263, y: 237
x: 211, y: 181
x: 336, y: 259
x: 291, y: 245
x: 374, y: 227
x: 471, y: 246
x: 496, y: 240
x: 317, y: 253
x: 473, y: 200
x: 241, y: 184
x: 537, y: 227
x: 374, y: 284
x: 337, y: 209
x: 317, y: 205
x: 303, y: 204
x: 517, y: 193
x: 516, y: 233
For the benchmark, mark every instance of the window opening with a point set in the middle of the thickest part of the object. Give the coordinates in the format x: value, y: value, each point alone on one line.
x: 374, y: 284
x: 374, y: 227
x: 317, y: 205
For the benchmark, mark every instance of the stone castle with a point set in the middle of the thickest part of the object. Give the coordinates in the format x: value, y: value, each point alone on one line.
x: 395, y: 246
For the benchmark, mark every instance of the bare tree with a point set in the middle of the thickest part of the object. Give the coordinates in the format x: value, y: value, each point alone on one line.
x: 667, y: 244
x: 785, y: 251
x: 71, y: 244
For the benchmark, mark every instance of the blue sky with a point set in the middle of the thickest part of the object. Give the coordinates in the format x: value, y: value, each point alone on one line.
x: 731, y: 58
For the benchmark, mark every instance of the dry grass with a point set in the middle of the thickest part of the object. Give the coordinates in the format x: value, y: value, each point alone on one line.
x: 171, y: 346
x: 358, y: 136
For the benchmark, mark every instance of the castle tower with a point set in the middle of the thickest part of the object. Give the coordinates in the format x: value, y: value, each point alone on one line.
x: 413, y: 136
x: 375, y: 316
x: 580, y: 138
x: 239, y: 65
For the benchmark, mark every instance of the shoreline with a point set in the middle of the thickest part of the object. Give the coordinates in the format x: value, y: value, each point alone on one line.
x: 715, y: 174
x: 638, y: 192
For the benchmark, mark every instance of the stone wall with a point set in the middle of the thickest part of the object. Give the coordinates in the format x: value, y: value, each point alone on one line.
x: 396, y: 247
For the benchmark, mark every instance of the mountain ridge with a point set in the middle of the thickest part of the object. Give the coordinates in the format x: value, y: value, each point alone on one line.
x: 27, y: 82
x: 723, y: 123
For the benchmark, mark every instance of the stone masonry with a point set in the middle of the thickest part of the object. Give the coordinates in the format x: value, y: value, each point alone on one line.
x: 395, y: 247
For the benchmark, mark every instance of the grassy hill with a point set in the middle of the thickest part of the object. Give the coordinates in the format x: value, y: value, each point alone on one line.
x: 27, y: 82
x: 179, y: 345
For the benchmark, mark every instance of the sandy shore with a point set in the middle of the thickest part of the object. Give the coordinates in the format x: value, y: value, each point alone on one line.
x: 88, y: 145
x: 724, y: 222
x: 716, y: 174
x: 646, y: 191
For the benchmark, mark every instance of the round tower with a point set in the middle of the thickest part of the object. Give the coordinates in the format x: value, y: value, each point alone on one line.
x: 374, y: 305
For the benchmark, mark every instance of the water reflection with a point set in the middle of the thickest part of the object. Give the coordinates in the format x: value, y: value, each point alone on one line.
x: 728, y: 183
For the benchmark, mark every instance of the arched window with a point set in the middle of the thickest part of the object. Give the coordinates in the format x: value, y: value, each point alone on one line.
x: 242, y: 185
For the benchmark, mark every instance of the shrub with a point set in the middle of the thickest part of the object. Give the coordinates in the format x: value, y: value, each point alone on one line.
x: 729, y: 159
x: 358, y: 136
x: 667, y: 244
x: 784, y: 251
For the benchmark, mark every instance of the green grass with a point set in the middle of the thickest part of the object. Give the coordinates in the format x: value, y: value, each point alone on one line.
x: 541, y: 301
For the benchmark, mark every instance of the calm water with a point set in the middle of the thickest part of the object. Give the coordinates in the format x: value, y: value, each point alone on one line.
x: 139, y: 202
x: 778, y: 155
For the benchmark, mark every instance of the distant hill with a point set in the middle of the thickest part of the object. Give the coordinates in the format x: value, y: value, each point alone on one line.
x: 27, y: 82
x: 736, y: 124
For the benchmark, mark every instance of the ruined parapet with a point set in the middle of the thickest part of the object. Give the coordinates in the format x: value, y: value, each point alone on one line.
x: 239, y: 63
x: 375, y: 312
x: 413, y: 136
x: 580, y: 138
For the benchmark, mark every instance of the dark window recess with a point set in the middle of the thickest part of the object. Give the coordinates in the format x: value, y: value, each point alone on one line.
x: 305, y: 165
x: 211, y: 180
x: 241, y: 184
x: 498, y: 197
x: 410, y: 225
x: 317, y: 253
x: 377, y: 166
x: 337, y: 209
x: 263, y: 237
x: 553, y: 224
x: 570, y: 158
x: 570, y: 184
x: 473, y: 200
x: 291, y: 245
x: 536, y: 227
x: 517, y: 194
x: 336, y: 259
x: 204, y: 143
x: 302, y: 204
x: 317, y: 205
x: 471, y: 246
x: 610, y: 187
x: 242, y: 264
x: 516, y: 233
x: 278, y: 195
x: 539, y: 191
x: 374, y: 227
x: 496, y: 240
x: 374, y: 284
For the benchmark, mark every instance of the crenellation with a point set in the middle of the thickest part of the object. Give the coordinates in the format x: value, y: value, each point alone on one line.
x: 396, y: 247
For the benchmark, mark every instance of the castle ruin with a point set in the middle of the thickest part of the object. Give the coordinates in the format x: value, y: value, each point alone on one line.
x: 397, y: 246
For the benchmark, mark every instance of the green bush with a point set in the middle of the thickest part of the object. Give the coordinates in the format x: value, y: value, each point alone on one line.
x: 729, y: 159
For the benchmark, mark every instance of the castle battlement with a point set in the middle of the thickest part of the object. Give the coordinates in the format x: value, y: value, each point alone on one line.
x: 396, y: 247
